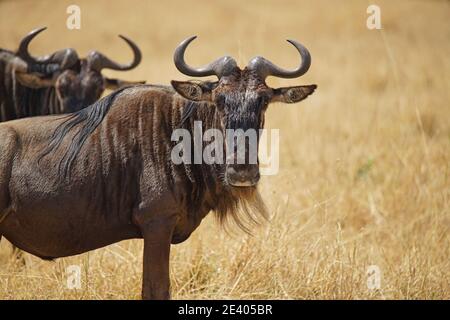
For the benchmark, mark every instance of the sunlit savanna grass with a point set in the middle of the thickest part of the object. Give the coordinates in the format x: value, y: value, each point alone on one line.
x: 364, y: 162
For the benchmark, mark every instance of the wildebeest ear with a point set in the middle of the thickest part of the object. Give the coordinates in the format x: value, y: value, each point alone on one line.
x: 31, y: 80
x: 113, y: 84
x: 292, y: 94
x: 192, y: 91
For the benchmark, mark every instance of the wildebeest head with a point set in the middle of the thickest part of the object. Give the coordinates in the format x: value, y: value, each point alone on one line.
x: 241, y: 97
x: 78, y: 81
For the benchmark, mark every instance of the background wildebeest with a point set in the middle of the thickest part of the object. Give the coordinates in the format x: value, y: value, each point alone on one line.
x: 57, y: 83
x: 74, y: 183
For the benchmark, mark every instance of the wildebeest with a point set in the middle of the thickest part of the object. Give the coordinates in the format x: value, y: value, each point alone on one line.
x: 57, y: 83
x: 74, y: 183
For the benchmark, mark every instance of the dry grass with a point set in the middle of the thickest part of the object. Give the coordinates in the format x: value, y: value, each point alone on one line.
x: 364, y: 177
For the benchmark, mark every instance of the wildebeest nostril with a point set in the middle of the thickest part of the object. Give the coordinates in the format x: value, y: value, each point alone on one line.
x: 243, y: 175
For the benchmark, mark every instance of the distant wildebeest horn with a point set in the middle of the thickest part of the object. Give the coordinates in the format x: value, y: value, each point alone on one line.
x: 61, y: 59
x: 23, y: 47
x: 99, y: 61
x: 265, y: 68
x: 220, y: 67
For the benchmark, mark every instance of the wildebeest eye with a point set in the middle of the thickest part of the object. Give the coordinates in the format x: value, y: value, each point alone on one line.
x: 220, y: 101
x: 262, y: 101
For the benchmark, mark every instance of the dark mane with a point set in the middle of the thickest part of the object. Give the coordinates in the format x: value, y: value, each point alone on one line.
x: 87, y: 120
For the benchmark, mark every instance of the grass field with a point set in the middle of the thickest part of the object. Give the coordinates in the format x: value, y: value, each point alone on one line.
x: 364, y: 173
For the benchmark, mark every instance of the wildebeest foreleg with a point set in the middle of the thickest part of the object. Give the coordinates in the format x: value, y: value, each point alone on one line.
x: 157, y: 238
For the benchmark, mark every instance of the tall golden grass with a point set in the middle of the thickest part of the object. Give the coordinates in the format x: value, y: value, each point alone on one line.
x: 364, y: 172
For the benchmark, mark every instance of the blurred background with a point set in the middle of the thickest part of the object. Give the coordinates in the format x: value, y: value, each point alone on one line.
x: 364, y: 161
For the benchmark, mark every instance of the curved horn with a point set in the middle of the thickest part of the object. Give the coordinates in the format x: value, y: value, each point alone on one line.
x: 50, y: 63
x: 220, y: 67
x: 99, y: 61
x: 22, y: 52
x: 265, y: 68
